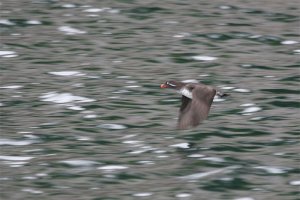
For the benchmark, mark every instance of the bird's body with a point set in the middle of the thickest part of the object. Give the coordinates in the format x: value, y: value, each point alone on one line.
x: 196, y: 101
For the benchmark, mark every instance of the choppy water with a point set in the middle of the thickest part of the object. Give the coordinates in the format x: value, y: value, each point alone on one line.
x: 82, y: 115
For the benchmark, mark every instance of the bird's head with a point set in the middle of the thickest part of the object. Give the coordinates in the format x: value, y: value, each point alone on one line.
x: 172, y: 84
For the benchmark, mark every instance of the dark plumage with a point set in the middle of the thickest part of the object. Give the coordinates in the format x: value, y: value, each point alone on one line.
x: 196, y: 101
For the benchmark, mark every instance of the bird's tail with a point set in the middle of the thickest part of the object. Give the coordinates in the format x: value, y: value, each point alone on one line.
x: 221, y: 94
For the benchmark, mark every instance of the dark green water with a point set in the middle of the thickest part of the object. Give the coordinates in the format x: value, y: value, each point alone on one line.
x: 83, y: 117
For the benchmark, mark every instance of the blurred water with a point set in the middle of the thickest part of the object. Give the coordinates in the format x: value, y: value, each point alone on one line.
x: 82, y: 115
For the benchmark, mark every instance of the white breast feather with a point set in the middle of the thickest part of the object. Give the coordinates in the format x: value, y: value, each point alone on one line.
x: 186, y: 92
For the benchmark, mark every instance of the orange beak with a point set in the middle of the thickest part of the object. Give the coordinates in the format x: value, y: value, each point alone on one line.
x: 163, y: 86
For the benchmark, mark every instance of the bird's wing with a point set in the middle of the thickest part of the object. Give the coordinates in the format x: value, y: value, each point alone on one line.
x: 195, y: 110
x: 183, y: 119
x: 185, y: 101
x: 203, y: 97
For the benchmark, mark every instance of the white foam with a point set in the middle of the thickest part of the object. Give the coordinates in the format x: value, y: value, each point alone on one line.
x: 214, y: 159
x: 79, y: 163
x: 8, y: 54
x: 181, y: 35
x: 93, y: 10
x: 289, y: 42
x: 272, y: 170
x: 90, y: 116
x: 162, y: 156
x: 24, y: 132
x: 160, y: 151
x: 146, y: 162
x: 218, y: 99
x: 6, y: 22
x: 33, y: 191
x: 129, y: 136
x: 68, y: 6
x: 75, y: 108
x: 123, y: 77
x: 251, y: 110
x: 70, y: 31
x: 190, y: 81
x: 41, y: 174
x: 32, y: 150
x: 64, y: 98
x: 16, y: 163
x: 30, y: 136
x: 29, y: 177
x: 15, y: 34
x: 255, y: 36
x: 183, y: 195
x: 297, y: 51
x: 196, y: 156
x: 4, y: 178
x: 121, y: 91
x: 297, y: 182
x: 170, y: 22
x: 246, y: 65
x: 67, y: 73
x: 112, y: 126
x: 279, y: 153
x: 204, y: 58
x: 78, y: 85
x: 138, y: 151
x: 241, y: 90
x: 33, y: 22
x: 132, y: 86
x: 11, y: 87
x: 244, y: 198
x: 256, y: 118
x: 226, y: 178
x: 113, y: 167
x: 204, y: 75
x: 224, y: 7
x: 114, y: 97
x: 130, y: 82
x: 227, y: 88
x: 83, y: 138
x: 92, y: 15
x: 247, y: 104
x: 132, y: 142
x: 15, y: 158
x: 15, y: 142
x: 143, y: 194
x: 205, y: 174
x: 184, y: 145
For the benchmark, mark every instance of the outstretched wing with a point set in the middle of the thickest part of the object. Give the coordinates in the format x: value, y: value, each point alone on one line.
x: 185, y: 109
x: 195, y: 110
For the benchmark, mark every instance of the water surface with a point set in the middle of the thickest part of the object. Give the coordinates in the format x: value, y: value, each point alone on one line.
x: 83, y: 117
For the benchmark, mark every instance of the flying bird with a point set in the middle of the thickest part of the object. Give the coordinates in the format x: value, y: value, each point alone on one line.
x: 196, y: 101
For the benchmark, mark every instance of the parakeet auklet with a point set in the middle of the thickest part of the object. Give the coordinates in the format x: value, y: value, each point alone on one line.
x: 196, y: 101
